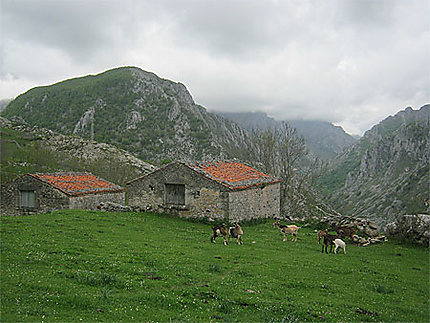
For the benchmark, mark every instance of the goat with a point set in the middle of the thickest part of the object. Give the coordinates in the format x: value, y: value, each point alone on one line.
x: 345, y: 232
x: 236, y: 232
x: 320, y: 235
x: 340, y: 244
x: 287, y: 229
x: 219, y: 231
x: 328, y: 240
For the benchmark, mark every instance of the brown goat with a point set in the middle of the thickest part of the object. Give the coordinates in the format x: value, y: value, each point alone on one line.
x: 346, y: 232
x: 219, y: 231
x: 320, y: 235
x: 292, y: 229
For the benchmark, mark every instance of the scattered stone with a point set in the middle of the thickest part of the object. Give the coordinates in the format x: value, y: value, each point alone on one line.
x: 115, y: 207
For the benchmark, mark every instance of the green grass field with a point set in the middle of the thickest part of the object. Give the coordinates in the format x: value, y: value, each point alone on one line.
x: 97, y: 266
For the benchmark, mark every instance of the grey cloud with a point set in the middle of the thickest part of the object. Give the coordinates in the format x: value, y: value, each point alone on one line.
x: 345, y: 61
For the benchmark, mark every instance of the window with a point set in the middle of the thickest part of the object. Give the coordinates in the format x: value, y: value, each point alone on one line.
x: 175, y: 194
x: 27, y: 199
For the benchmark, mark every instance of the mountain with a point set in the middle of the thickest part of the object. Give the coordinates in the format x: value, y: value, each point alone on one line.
x: 322, y: 138
x: 4, y: 103
x: 29, y: 149
x: 386, y: 174
x: 153, y: 118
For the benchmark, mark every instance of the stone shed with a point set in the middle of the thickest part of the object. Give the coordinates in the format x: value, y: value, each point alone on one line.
x: 41, y: 192
x: 226, y: 190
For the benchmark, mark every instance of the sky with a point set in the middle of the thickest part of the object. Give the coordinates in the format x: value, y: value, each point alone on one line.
x: 349, y: 62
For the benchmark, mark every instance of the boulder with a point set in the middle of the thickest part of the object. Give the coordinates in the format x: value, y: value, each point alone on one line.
x: 413, y: 227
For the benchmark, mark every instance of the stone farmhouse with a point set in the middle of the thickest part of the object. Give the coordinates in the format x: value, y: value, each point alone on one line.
x: 227, y: 190
x: 35, y: 193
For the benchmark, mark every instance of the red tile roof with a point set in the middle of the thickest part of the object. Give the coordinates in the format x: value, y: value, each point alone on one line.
x: 77, y: 183
x: 234, y: 175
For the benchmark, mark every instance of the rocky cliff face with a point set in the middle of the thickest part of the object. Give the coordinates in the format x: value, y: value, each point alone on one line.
x: 154, y: 118
x: 386, y: 174
x: 322, y: 138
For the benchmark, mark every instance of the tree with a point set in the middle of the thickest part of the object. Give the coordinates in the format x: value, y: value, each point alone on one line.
x: 283, y: 153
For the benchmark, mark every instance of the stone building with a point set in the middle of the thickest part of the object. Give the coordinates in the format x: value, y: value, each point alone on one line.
x: 225, y: 190
x: 35, y: 193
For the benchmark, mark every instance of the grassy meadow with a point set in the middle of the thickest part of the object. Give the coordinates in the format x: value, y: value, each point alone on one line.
x: 97, y: 266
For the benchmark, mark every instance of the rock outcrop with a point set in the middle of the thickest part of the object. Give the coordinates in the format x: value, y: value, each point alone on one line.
x: 415, y: 228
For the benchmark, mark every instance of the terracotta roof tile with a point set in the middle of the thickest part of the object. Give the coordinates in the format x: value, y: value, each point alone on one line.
x: 234, y: 175
x: 77, y: 183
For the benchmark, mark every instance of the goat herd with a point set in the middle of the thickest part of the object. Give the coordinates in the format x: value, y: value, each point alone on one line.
x: 331, y: 240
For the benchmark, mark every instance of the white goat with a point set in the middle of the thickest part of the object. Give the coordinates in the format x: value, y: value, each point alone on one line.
x: 340, y: 244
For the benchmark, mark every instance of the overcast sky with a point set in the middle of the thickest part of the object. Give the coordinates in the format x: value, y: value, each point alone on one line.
x: 350, y: 62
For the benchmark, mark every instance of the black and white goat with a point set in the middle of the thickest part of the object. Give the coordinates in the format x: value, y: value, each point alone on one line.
x: 220, y: 231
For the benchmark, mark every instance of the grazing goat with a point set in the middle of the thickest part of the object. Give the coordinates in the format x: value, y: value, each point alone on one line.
x: 220, y: 231
x: 328, y: 241
x: 346, y: 232
x: 340, y: 244
x: 236, y: 232
x: 287, y: 229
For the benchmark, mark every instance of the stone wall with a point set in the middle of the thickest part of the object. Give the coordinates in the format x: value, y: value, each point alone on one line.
x: 46, y: 197
x: 255, y: 202
x: 203, y: 198
x: 90, y: 201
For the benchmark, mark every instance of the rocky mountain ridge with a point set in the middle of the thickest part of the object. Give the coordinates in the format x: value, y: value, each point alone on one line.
x: 386, y: 174
x: 154, y: 118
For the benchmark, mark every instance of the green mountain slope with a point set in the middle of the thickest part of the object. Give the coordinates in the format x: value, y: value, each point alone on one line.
x: 386, y: 174
x: 153, y: 118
